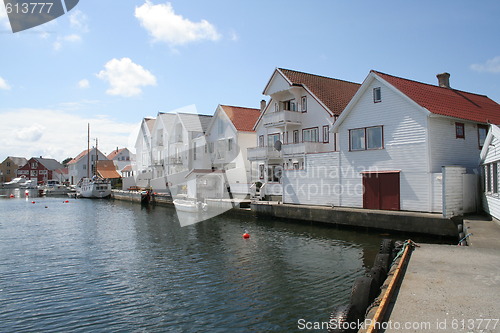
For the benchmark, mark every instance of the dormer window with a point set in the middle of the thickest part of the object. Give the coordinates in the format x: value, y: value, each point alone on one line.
x: 377, y: 95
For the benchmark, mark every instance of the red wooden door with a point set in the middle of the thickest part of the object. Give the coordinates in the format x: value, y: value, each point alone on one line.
x: 381, y: 191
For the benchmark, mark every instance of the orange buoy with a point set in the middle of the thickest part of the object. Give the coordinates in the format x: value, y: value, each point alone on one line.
x: 246, y: 235
x: 67, y: 201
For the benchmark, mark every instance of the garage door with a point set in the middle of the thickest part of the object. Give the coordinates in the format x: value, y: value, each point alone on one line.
x: 381, y: 190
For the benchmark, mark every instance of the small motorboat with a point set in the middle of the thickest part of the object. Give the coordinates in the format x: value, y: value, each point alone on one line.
x: 191, y: 206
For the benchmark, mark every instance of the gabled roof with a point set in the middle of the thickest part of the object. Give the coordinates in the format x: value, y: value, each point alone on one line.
x: 82, y: 155
x: 150, y: 122
x: 114, y: 153
x: 493, y: 132
x: 242, y: 118
x: 333, y: 93
x: 194, y: 122
x: 107, y: 169
x: 447, y: 101
x: 19, y: 161
x: 49, y: 163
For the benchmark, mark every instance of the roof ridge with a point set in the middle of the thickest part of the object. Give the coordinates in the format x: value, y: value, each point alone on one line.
x: 240, y: 107
x: 428, y: 84
x: 322, y: 76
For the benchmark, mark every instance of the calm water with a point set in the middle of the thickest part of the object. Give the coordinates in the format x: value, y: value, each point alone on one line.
x: 114, y: 266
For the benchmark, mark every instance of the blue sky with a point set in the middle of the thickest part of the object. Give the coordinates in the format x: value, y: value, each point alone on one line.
x: 111, y: 63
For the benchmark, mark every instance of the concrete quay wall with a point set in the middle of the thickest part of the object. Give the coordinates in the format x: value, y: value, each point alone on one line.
x: 413, y: 222
x: 158, y: 199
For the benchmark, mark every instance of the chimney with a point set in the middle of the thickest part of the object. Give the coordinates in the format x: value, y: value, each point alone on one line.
x: 262, y: 105
x: 444, y: 80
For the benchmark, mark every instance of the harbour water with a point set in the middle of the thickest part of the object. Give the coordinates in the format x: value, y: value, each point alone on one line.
x: 90, y: 265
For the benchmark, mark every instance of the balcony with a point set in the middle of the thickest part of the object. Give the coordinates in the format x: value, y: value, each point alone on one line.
x: 172, y: 160
x: 262, y: 153
x: 306, y: 148
x: 282, y: 118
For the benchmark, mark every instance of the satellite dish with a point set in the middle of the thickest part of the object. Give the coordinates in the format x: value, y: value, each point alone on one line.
x: 277, y: 145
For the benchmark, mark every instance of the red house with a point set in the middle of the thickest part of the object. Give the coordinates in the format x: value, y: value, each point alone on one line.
x: 42, y: 170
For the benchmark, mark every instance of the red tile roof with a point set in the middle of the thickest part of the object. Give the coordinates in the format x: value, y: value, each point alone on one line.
x: 335, y: 94
x: 79, y: 156
x: 447, y: 101
x: 114, y: 153
x: 242, y: 118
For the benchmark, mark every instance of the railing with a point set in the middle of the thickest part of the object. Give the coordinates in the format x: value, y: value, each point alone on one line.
x: 282, y: 117
x: 175, y: 160
x: 258, y: 153
x: 306, y: 148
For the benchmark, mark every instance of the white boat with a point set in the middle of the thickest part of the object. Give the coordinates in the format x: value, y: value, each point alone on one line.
x: 15, y: 183
x: 29, y: 184
x: 53, y: 187
x: 189, y: 205
x: 94, y: 187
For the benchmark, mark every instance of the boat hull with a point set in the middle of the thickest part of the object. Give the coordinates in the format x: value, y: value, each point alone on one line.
x: 99, y: 189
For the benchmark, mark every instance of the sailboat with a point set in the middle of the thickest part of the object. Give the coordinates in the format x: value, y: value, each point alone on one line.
x: 95, y: 187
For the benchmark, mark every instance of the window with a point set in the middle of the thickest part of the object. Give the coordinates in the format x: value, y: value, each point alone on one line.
x: 494, y: 176
x: 43, y: 172
x: 488, y: 177
x: 194, y: 151
x: 310, y: 135
x: 211, y: 147
x: 374, y: 138
x: 296, y: 136
x: 377, y: 95
x: 261, y: 171
x: 366, y: 138
x: 8, y: 171
x: 460, y: 130
x: 220, y: 126
x: 8, y: 164
x: 303, y: 103
x: 230, y: 144
x: 34, y: 165
x: 272, y: 138
x: 326, y: 134
x: 357, y: 139
x: 274, y: 173
x: 276, y: 107
x: 482, y: 131
x: 261, y: 141
x: 34, y: 173
x: 290, y: 105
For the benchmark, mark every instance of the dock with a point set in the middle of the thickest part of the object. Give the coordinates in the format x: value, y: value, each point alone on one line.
x: 449, y: 288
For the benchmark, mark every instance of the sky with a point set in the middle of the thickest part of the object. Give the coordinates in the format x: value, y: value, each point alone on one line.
x: 111, y: 63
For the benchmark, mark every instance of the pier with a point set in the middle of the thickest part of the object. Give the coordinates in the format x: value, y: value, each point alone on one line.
x: 449, y: 288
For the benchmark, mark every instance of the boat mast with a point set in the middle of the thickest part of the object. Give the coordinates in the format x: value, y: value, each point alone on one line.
x: 88, y: 150
x: 96, y: 158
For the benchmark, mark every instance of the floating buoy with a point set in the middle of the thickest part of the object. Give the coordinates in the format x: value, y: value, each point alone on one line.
x: 246, y: 235
x: 46, y: 206
x: 67, y: 201
x: 26, y: 193
x: 32, y: 202
x: 11, y: 196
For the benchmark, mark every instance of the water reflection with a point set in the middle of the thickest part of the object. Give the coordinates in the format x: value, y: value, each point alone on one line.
x: 109, y: 265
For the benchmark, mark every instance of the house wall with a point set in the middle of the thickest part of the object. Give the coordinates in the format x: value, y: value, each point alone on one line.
x: 491, y: 201
x: 453, y: 189
x: 446, y: 149
x: 316, y: 184
x: 405, y: 148
x: 78, y: 170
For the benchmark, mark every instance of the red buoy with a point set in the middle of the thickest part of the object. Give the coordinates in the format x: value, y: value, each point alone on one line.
x: 246, y: 235
x: 32, y: 202
x: 11, y: 196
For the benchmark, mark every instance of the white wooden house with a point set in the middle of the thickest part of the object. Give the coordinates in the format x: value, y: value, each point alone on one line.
x: 407, y: 145
x: 220, y: 166
x: 186, y: 130
x: 121, y: 157
x: 143, y: 164
x: 490, y: 159
x: 83, y: 165
x: 159, y: 149
x: 295, y: 125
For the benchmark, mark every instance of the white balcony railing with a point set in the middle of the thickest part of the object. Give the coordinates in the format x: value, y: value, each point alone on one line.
x: 260, y: 153
x: 306, y: 148
x: 282, y: 118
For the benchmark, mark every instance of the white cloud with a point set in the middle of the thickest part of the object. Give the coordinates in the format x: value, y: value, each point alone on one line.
x: 30, y: 134
x: 78, y: 20
x: 166, y: 26
x: 83, y: 84
x: 3, y: 84
x: 125, y: 77
x: 73, y: 38
x: 491, y: 66
x: 4, y: 21
x: 58, y: 134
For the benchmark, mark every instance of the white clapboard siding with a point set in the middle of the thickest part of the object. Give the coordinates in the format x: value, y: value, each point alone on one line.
x: 491, y: 201
x: 316, y: 184
x: 405, y: 148
x: 453, y: 203
x: 446, y: 149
